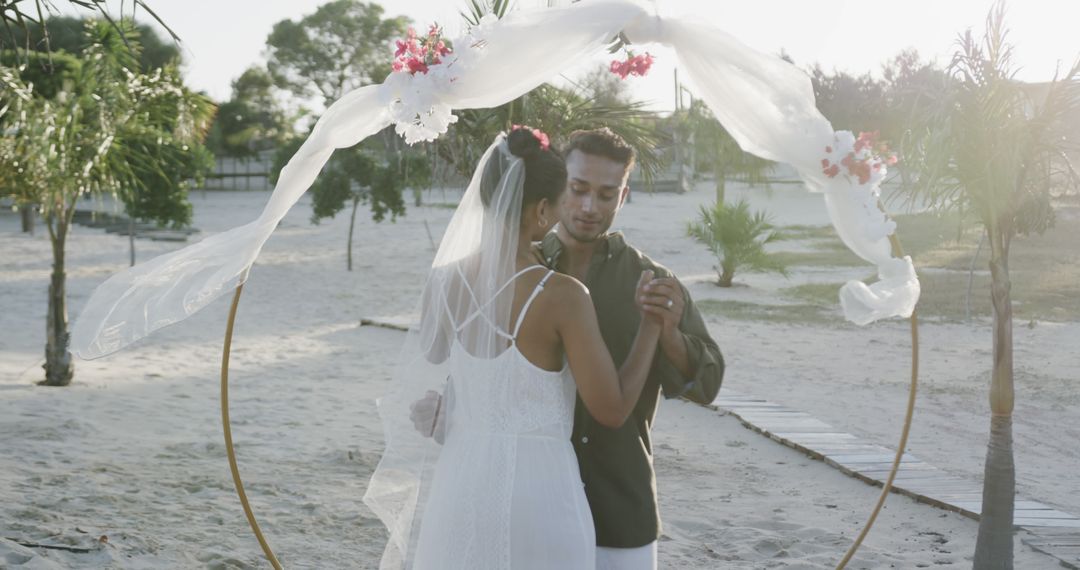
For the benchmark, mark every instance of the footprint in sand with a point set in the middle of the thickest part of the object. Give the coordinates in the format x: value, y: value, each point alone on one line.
x: 772, y: 548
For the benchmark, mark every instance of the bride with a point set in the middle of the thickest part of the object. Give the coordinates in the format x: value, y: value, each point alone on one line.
x: 512, y: 341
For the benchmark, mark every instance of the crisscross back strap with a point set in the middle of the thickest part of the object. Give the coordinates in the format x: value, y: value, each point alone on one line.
x: 525, y: 308
x: 479, y: 312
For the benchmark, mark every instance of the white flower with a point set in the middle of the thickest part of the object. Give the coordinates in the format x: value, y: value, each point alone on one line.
x: 414, y: 100
x: 481, y: 31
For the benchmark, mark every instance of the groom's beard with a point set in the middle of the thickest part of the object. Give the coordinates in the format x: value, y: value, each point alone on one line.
x: 588, y: 234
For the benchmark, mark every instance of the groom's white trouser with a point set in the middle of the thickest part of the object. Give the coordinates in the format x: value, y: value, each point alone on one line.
x: 641, y: 558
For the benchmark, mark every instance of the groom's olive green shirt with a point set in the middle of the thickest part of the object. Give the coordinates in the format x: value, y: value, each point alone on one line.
x: 616, y: 464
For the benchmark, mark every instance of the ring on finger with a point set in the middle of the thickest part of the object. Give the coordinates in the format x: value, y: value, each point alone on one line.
x: 670, y: 303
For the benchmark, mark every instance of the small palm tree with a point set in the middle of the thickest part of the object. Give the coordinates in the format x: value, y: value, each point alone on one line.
x: 737, y: 237
x: 115, y: 131
x: 996, y: 148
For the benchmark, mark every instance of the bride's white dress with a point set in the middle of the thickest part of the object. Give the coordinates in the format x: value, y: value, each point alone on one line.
x: 506, y: 493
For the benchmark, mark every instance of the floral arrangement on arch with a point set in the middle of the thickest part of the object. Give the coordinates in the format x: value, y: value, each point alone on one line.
x: 630, y: 64
x: 424, y: 68
x: 633, y: 65
x: 417, y: 54
x: 863, y: 158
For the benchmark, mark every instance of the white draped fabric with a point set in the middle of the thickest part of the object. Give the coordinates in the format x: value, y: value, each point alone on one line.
x: 765, y: 103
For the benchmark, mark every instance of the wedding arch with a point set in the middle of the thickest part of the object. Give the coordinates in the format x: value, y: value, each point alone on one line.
x: 764, y: 102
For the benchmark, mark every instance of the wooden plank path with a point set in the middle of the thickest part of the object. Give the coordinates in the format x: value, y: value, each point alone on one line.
x: 1054, y: 532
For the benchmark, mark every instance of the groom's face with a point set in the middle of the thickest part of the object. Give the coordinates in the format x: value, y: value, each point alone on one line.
x: 595, y: 192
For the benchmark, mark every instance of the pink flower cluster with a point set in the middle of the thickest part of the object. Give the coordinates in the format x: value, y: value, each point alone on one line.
x: 416, y: 54
x: 866, y: 157
x: 633, y: 65
x: 541, y: 136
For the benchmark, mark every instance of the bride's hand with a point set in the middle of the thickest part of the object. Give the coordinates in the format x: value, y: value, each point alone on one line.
x: 641, y: 295
x: 425, y: 415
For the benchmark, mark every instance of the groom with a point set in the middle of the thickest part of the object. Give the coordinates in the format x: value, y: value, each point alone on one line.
x: 616, y: 464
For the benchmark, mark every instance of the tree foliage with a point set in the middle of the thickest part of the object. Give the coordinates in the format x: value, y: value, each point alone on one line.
x: 908, y: 88
x: 343, y: 45
x: 995, y: 146
x: 850, y: 102
x: 715, y: 149
x: 356, y: 175
x: 603, y: 87
x: 363, y: 173
x: 252, y: 120
x: 66, y: 34
x: 557, y: 111
x: 48, y: 73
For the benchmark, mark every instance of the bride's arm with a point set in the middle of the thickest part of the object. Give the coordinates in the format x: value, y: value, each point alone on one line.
x: 609, y: 394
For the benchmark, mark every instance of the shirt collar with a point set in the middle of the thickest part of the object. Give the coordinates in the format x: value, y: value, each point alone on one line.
x: 613, y: 244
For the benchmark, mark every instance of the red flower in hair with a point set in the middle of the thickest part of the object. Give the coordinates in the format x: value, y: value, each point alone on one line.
x: 541, y: 136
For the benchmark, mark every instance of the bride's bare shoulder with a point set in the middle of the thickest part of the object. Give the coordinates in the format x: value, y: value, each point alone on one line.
x: 565, y: 287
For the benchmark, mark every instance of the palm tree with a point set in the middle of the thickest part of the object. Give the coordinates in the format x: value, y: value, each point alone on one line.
x: 996, y: 149
x: 114, y: 131
x: 17, y: 18
x: 716, y: 147
x: 737, y: 237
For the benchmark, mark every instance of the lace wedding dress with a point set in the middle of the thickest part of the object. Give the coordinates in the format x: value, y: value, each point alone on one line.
x: 506, y: 492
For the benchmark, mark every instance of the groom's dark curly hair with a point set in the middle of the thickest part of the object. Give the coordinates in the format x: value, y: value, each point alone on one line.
x: 601, y: 142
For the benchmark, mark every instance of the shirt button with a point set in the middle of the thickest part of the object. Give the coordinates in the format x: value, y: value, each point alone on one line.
x: 584, y: 439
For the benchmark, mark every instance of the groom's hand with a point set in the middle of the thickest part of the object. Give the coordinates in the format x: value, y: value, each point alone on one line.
x: 664, y: 299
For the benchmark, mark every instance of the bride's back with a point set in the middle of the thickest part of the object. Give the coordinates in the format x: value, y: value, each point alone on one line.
x: 527, y: 386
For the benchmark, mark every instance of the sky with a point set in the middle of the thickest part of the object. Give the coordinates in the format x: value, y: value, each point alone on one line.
x: 220, y: 38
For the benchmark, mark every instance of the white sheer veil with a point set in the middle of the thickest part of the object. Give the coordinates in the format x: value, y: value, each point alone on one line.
x: 465, y: 305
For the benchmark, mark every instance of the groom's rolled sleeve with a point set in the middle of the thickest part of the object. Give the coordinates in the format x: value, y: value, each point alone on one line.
x: 703, y: 356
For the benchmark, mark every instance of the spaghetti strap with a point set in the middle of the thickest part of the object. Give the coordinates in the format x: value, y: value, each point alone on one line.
x: 525, y: 308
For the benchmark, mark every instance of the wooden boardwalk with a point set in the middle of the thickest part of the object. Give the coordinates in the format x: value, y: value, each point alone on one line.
x: 1054, y: 532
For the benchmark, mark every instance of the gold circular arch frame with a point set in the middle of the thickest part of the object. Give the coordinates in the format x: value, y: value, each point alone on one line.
x: 897, y: 251
x: 228, y: 432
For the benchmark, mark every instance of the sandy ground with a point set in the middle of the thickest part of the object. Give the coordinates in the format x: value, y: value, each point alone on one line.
x: 133, y: 450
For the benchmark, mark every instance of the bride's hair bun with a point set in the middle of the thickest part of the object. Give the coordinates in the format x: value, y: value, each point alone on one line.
x: 545, y: 171
x: 524, y: 143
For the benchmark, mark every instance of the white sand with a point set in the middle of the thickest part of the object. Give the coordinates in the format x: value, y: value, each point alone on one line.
x: 133, y: 449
